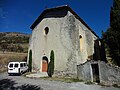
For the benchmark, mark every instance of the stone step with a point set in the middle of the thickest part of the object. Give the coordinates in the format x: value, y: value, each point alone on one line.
x: 38, y: 74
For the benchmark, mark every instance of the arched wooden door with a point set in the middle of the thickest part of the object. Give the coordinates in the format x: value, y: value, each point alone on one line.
x: 44, y: 64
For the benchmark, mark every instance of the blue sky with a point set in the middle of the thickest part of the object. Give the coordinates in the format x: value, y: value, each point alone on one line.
x: 18, y: 15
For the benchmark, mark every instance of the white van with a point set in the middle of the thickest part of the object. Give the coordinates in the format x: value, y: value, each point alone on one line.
x: 17, y: 67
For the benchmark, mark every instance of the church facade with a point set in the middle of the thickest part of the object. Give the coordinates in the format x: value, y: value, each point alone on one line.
x: 60, y: 29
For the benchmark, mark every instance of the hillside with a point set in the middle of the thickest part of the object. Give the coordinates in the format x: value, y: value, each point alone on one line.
x: 13, y: 47
x: 14, y: 42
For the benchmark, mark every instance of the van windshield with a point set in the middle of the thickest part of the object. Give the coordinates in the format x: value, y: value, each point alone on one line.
x: 16, y: 65
x: 11, y: 65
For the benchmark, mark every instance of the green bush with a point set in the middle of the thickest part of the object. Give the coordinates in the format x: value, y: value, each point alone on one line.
x: 51, y: 64
x: 30, y: 61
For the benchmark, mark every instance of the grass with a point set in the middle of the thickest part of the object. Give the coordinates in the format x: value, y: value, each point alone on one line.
x: 3, y: 69
x: 11, y: 56
x: 116, y: 85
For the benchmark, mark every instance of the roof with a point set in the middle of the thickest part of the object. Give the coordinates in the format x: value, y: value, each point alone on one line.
x: 65, y: 7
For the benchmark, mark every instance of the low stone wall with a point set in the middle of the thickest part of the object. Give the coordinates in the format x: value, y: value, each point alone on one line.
x: 108, y: 74
x: 84, y: 72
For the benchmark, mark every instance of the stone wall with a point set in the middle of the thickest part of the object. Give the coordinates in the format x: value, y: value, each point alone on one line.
x: 84, y: 72
x: 108, y: 74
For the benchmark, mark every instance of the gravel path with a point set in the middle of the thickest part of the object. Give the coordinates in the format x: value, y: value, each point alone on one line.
x: 23, y: 83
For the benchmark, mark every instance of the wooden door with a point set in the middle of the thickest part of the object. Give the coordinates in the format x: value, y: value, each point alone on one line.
x: 44, y: 66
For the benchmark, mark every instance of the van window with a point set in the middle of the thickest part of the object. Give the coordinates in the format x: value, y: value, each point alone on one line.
x: 25, y: 64
x: 21, y: 65
x: 16, y: 65
x: 11, y: 65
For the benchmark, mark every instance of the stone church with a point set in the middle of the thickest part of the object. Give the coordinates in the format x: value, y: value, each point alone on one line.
x: 60, y: 29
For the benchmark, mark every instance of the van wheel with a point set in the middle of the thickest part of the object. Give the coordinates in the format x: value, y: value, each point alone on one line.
x: 20, y: 72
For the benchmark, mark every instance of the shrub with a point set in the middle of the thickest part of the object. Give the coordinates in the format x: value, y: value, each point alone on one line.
x: 51, y: 64
x: 30, y: 61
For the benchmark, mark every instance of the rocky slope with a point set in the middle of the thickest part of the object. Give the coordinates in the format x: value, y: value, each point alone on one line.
x: 14, y: 42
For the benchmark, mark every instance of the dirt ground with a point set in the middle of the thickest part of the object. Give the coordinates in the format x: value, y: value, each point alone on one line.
x: 23, y: 83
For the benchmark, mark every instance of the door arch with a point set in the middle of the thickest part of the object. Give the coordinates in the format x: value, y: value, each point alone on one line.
x: 44, y: 64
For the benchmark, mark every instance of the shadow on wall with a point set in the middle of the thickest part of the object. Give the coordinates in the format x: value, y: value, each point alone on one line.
x: 7, y: 84
x: 99, y: 51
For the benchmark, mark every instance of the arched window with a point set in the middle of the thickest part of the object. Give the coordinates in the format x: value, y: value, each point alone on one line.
x: 46, y: 30
x: 81, y: 42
